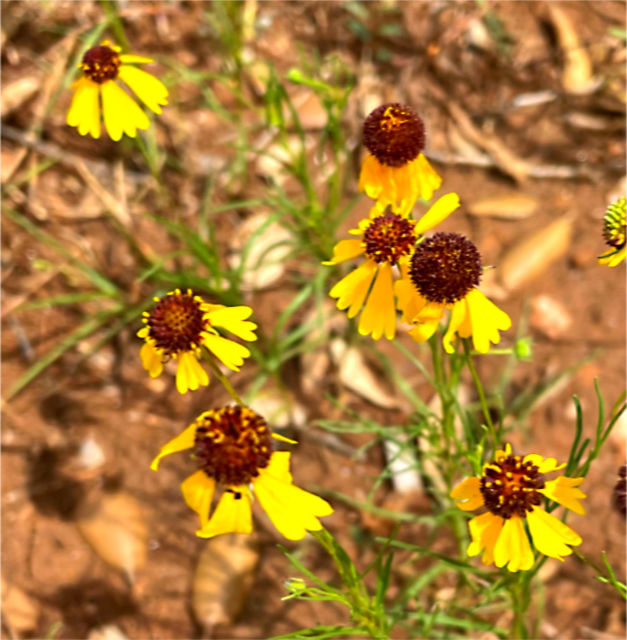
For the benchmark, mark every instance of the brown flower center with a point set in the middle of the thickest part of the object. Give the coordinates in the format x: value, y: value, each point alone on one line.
x: 232, y: 445
x: 614, y: 224
x: 177, y: 322
x: 389, y: 237
x: 394, y: 134
x: 510, y: 487
x: 101, y: 63
x: 445, y: 267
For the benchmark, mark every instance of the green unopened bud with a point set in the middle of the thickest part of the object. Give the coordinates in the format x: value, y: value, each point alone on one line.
x: 523, y: 349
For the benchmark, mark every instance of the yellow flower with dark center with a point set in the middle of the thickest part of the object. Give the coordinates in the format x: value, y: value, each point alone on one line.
x: 102, y: 67
x: 614, y: 233
x: 233, y: 449
x: 443, y: 273
x: 512, y: 489
x: 386, y: 239
x: 181, y: 325
x: 396, y: 173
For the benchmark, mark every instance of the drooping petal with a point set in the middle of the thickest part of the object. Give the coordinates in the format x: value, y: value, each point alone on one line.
x: 612, y: 257
x: 379, y: 315
x: 468, y: 495
x: 564, y: 491
x: 370, y: 177
x: 151, y: 91
x: 231, y: 354
x: 121, y: 113
x: 189, y: 373
x: 233, y: 319
x: 439, y: 211
x: 151, y: 360
x: 427, y: 321
x: 512, y: 547
x: 484, y: 531
x: 84, y: 112
x: 232, y: 515
x: 351, y: 290
x: 292, y: 510
x: 550, y: 535
x: 458, y: 315
x: 486, y: 320
x: 429, y: 178
x: 185, y: 440
x: 197, y: 492
x: 346, y: 250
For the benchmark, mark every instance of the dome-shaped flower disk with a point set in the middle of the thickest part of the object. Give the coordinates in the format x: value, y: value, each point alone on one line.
x: 614, y: 233
x: 181, y: 324
x: 396, y: 173
x: 443, y: 274
x: 99, y: 89
x: 512, y: 489
x: 386, y: 240
x: 233, y: 449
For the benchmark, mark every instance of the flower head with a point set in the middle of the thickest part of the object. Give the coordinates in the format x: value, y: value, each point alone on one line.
x: 102, y: 67
x: 396, y: 173
x: 233, y: 449
x: 386, y: 240
x: 512, y: 489
x: 614, y: 233
x: 443, y: 273
x: 181, y: 324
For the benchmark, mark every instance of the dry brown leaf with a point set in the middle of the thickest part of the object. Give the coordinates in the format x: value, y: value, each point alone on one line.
x: 19, y: 610
x: 549, y: 316
x: 508, y: 206
x: 223, y: 577
x: 577, y: 75
x: 116, y: 530
x: 532, y: 255
x: 355, y: 374
x: 14, y: 95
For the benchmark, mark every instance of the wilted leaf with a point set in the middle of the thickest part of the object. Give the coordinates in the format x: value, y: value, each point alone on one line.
x: 19, y: 610
x: 532, y: 255
x: 116, y: 530
x: 510, y: 206
x: 577, y: 74
x: 223, y: 577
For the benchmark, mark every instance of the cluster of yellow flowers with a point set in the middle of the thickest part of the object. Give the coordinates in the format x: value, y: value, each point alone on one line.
x: 402, y: 270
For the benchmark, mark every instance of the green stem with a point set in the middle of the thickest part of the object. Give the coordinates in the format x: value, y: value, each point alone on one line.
x: 480, y: 392
x: 209, y: 359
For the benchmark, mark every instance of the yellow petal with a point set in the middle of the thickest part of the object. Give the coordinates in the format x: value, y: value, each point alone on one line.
x: 551, y: 536
x: 346, y: 250
x: 151, y: 91
x: 151, y: 360
x: 486, y: 319
x: 233, y: 319
x: 613, y: 258
x: 484, y: 531
x: 426, y: 322
x: 439, y: 211
x: 512, y: 547
x: 231, y: 354
x: 429, y: 178
x: 198, y: 493
x: 129, y: 58
x: 232, y: 515
x: 121, y: 113
x: 370, y: 177
x: 564, y: 491
x: 379, y: 315
x: 190, y: 374
x: 468, y: 495
x: 458, y: 315
x: 185, y: 440
x: 351, y: 290
x: 84, y: 112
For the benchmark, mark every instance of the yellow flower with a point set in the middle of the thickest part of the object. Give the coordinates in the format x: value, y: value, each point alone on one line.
x: 396, y: 173
x: 181, y: 324
x: 443, y: 274
x: 512, y: 489
x: 386, y: 240
x: 614, y: 233
x: 233, y: 448
x: 102, y: 66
